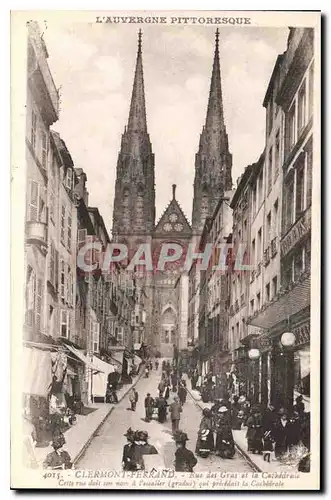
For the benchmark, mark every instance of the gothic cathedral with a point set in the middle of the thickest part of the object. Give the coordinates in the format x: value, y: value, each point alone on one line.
x: 134, y: 203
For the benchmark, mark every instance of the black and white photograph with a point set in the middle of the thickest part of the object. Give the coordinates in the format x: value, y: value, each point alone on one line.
x: 166, y: 240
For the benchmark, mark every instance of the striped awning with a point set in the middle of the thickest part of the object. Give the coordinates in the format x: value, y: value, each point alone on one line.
x: 37, y: 373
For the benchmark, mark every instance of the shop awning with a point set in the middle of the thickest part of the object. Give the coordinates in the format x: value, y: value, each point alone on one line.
x: 80, y: 355
x: 287, y: 305
x: 103, y: 366
x: 37, y: 379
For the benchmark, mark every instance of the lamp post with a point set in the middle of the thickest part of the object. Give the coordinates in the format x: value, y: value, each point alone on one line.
x: 287, y: 341
x: 254, y: 355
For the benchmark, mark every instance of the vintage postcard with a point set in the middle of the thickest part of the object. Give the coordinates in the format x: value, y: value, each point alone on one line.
x: 165, y: 250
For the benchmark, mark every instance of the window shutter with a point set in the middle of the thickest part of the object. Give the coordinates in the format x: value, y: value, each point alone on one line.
x: 69, y: 178
x: 62, y: 280
x: 56, y: 269
x: 38, y: 303
x: 82, y: 235
x: 33, y: 208
x: 69, y: 230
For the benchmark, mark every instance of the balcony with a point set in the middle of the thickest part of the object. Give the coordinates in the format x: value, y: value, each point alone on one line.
x: 266, y: 256
x: 296, y: 233
x: 36, y: 233
x: 242, y: 300
x: 258, y: 269
x: 273, y: 247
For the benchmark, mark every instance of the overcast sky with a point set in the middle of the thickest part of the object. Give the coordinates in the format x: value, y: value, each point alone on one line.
x: 94, y: 66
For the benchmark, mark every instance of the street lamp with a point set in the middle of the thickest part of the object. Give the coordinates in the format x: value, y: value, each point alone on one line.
x: 287, y: 341
x: 254, y: 355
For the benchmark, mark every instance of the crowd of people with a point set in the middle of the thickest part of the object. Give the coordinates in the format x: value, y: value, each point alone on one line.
x: 268, y: 430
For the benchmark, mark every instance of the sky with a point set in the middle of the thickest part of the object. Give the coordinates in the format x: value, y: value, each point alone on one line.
x: 93, y: 66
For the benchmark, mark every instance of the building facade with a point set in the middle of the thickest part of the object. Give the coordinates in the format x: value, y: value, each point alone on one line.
x: 285, y: 316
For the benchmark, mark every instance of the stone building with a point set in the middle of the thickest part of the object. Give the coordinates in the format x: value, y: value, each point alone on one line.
x: 290, y: 311
x: 42, y: 110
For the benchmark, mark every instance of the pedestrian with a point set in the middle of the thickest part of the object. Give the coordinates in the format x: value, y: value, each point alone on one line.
x: 236, y: 414
x: 128, y: 451
x: 133, y: 399
x: 167, y: 393
x: 174, y: 381
x: 161, y: 404
x: 182, y: 394
x: 141, y: 448
x: 254, y: 433
x: 146, y: 371
x: 299, y: 406
x: 156, y: 364
x: 175, y: 411
x: 269, y: 418
x: 58, y: 459
x: 161, y: 387
x: 224, y: 437
x: 294, y: 436
x: 281, y: 433
x: 185, y: 460
x: 207, y: 423
x: 149, y: 407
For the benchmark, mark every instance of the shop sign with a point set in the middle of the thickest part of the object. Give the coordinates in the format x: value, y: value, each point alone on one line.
x: 265, y: 343
x: 300, y: 229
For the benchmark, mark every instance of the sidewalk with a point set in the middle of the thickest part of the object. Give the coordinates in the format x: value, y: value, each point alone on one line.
x: 256, y: 461
x: 79, y: 436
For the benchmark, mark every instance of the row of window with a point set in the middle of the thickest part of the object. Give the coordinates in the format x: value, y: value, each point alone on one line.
x: 271, y: 290
x: 301, y: 109
x: 297, y: 188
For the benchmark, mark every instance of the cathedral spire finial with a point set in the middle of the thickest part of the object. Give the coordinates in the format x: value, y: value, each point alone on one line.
x: 140, y: 34
x: 174, y: 191
x: 217, y: 35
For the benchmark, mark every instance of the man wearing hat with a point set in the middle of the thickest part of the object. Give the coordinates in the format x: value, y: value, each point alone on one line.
x: 185, y: 461
x: 128, y: 449
x: 175, y: 411
x: 58, y: 459
x: 149, y: 407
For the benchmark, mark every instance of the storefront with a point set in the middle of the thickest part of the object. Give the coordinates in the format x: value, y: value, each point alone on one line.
x: 284, y: 348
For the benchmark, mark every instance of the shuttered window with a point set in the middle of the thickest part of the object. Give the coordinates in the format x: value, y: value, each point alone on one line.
x: 38, y: 322
x: 63, y: 222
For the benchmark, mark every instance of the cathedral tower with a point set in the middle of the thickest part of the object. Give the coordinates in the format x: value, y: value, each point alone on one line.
x: 213, y: 161
x: 134, y: 204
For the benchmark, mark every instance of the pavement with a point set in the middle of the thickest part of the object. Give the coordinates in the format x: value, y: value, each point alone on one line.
x: 80, y: 434
x: 105, y: 449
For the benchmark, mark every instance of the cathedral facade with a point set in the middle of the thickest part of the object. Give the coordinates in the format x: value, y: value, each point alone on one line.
x: 134, y: 221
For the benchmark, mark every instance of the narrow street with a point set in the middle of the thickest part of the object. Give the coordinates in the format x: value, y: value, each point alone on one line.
x: 105, y: 451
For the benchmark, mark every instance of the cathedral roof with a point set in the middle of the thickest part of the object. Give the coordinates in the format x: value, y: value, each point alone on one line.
x: 173, y: 221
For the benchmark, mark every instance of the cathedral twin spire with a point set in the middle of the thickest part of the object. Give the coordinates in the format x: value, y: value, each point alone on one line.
x: 136, y: 152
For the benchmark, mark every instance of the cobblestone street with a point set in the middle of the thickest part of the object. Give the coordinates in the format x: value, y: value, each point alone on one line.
x: 105, y: 451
